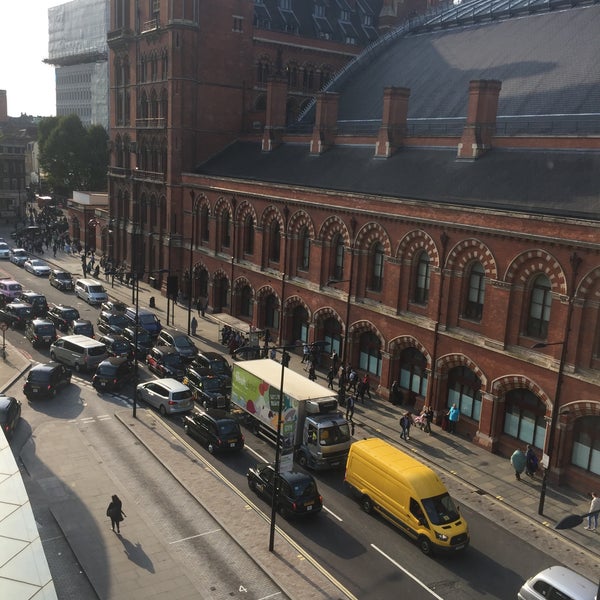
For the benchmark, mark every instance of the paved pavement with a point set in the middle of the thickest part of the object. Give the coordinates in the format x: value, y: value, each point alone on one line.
x: 481, y: 480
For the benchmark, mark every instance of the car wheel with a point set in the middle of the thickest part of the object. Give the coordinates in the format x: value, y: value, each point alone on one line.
x: 283, y: 511
x: 302, y: 460
x: 252, y: 485
x: 366, y: 504
x: 52, y: 356
x: 426, y: 546
x: 211, y: 448
x: 162, y: 410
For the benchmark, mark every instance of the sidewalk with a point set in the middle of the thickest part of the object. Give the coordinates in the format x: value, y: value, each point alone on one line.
x: 486, y: 480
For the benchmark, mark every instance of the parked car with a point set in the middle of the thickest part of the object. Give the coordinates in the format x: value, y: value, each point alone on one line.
x: 144, y: 342
x: 46, y: 379
x: 9, y: 288
x: 81, y: 327
x: 61, y: 280
x: 218, y: 430
x: 16, y: 314
x: 38, y: 302
x: 18, y: 256
x: 62, y: 316
x: 10, y: 413
x: 4, y: 250
x: 109, y: 322
x: 117, y: 345
x: 114, y: 307
x: 208, y: 389
x: 168, y: 395
x: 145, y: 318
x: 113, y: 373
x: 37, y: 266
x: 178, y: 340
x: 298, y: 494
x: 216, y: 363
x: 40, y: 332
x: 559, y: 583
x: 165, y: 362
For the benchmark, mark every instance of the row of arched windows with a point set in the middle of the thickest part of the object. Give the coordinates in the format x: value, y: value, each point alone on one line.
x: 306, y: 77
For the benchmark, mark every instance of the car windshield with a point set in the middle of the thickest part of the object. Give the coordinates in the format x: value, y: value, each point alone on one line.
x: 15, y: 287
x: 107, y: 369
x: 183, y: 395
x: 212, y: 384
x: 38, y: 376
x: 22, y: 311
x: 96, y: 289
x: 148, y: 319
x: 83, y: 328
x: 45, y: 329
x: 228, y: 428
x: 336, y: 434
x: 441, y: 509
x: 96, y: 350
x: 118, y: 320
x: 173, y: 360
x: 70, y: 314
x: 62, y: 275
x: 120, y: 346
x: 19, y: 253
x: 219, y: 367
x: 183, y: 342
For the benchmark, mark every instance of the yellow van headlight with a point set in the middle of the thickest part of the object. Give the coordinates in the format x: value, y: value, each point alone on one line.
x: 441, y: 536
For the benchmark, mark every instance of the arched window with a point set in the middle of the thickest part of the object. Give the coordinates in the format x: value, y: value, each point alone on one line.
x: 586, y: 444
x: 262, y: 72
x: 272, y: 312
x: 475, y: 292
x: 377, y: 267
x: 274, y: 241
x: 413, y: 371
x: 337, y: 272
x: 246, y: 301
x: 304, y: 250
x: 300, y: 324
x: 525, y: 417
x: 332, y: 334
x: 539, y: 308
x: 422, y: 276
x: 248, y: 235
x: 370, y: 353
x: 204, y: 224
x: 226, y: 229
x: 464, y: 391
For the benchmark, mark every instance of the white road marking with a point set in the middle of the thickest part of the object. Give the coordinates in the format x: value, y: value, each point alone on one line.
x: 332, y: 514
x: 418, y: 581
x: 191, y: 537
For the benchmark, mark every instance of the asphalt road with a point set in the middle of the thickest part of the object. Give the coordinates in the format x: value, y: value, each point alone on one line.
x: 369, y: 556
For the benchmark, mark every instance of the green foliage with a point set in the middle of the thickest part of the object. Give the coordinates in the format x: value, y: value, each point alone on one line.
x: 73, y: 157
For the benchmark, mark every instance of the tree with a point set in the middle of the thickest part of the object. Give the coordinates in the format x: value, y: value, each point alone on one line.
x: 73, y: 157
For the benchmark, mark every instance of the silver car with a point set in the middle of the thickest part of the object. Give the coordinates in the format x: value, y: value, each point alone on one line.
x: 168, y: 395
x: 558, y: 582
x: 18, y: 256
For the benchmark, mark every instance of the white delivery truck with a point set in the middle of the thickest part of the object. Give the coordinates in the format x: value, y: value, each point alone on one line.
x: 313, y: 431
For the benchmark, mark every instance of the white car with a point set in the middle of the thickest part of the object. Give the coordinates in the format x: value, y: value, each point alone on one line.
x: 19, y: 256
x: 37, y: 266
x: 4, y: 250
x: 168, y: 395
x: 558, y: 582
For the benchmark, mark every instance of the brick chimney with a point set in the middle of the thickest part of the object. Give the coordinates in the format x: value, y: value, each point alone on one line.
x: 325, y: 122
x: 277, y: 89
x: 3, y: 107
x: 393, y: 123
x: 481, y: 118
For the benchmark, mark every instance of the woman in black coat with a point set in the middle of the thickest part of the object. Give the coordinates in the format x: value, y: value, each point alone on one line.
x: 115, y: 512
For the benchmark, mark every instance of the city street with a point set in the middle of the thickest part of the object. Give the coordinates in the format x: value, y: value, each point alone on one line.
x: 193, y: 508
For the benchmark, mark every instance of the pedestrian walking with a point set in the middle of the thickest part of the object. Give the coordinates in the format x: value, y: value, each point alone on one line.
x: 273, y: 353
x: 594, y: 508
x: 330, y: 376
x: 194, y: 325
x: 396, y: 395
x: 312, y: 375
x: 453, y: 416
x: 367, y: 386
x: 115, y: 512
x: 532, y: 464
x: 305, y: 353
x: 285, y: 358
x: 405, y: 423
x: 350, y: 401
x: 518, y: 460
x: 334, y: 361
x: 428, y: 418
x: 352, y: 380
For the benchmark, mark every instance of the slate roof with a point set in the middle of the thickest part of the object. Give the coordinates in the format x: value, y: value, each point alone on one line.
x: 558, y: 183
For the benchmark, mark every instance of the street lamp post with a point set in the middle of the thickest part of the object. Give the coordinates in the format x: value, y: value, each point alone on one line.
x: 195, y: 205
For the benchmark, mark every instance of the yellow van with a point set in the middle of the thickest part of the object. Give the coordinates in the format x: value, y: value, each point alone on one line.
x: 407, y: 493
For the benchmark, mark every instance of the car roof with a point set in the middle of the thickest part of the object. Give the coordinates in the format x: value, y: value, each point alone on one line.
x: 45, y: 366
x: 62, y: 307
x: 114, y: 360
x: 57, y: 271
x: 166, y: 350
x: 567, y: 581
x: 42, y: 321
x: 212, y: 355
x: 82, y: 322
x: 169, y: 383
x: 19, y: 304
x: 32, y: 293
x: 5, y: 401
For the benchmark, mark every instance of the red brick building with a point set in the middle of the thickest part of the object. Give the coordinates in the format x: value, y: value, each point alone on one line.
x: 433, y: 216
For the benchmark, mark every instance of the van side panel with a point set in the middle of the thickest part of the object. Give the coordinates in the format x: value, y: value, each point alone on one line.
x: 390, y: 480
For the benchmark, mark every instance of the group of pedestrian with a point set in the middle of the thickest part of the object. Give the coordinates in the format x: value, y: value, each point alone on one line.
x: 527, y: 462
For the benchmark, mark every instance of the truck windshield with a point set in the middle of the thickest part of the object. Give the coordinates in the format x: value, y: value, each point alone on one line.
x: 336, y: 434
x: 441, y: 509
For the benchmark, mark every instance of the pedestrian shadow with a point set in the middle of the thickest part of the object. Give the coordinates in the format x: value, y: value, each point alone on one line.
x: 136, y: 555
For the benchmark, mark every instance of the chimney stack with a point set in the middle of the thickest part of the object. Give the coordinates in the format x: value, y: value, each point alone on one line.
x: 393, y: 123
x: 3, y: 107
x: 325, y: 122
x: 275, y: 121
x: 481, y: 118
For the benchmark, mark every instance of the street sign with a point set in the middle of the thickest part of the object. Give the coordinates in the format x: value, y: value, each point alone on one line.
x: 3, y: 326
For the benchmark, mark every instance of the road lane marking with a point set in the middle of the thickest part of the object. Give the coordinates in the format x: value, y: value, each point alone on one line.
x: 191, y: 537
x: 332, y: 514
x: 415, y: 579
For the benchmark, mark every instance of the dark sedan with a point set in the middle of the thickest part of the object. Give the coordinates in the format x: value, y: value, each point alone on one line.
x: 112, y: 323
x: 298, y: 493
x: 61, y: 280
x: 62, y: 316
x: 208, y: 389
x: 16, y: 314
x: 143, y: 343
x: 113, y: 374
x: 45, y: 379
x: 215, y: 429
x: 165, y: 362
x: 117, y: 345
x: 10, y: 413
